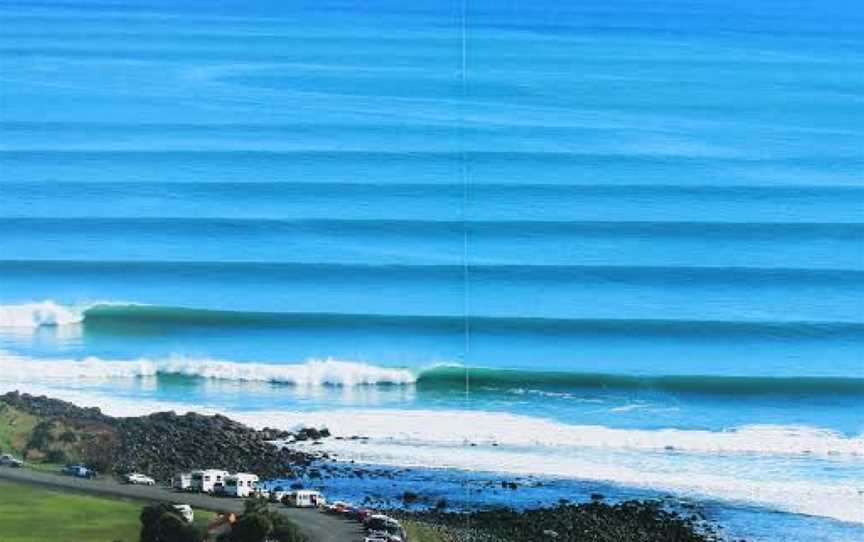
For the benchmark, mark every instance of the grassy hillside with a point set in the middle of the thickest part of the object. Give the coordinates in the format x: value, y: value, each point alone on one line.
x: 15, y: 429
x: 39, y: 440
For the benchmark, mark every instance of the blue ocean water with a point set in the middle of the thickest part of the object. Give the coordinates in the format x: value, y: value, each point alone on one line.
x: 622, y: 241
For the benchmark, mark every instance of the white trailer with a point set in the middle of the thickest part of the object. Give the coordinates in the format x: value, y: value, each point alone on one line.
x: 241, y: 484
x: 206, y: 481
x: 305, y: 498
x: 182, y: 481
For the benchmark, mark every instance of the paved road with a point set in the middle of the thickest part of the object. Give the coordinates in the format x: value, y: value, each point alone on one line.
x: 315, y: 525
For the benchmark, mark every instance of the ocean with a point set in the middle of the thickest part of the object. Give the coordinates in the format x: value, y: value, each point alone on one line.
x: 612, y: 245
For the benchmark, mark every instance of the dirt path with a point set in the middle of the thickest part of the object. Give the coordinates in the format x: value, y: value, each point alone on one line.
x: 315, y: 525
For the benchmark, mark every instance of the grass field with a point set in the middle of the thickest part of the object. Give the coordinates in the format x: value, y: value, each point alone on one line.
x: 30, y: 514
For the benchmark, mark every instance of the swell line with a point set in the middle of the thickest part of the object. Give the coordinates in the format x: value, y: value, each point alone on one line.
x: 503, y: 227
x: 549, y: 272
x: 520, y: 380
x: 107, y: 315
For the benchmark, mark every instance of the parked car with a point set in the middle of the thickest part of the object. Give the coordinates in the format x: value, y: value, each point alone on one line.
x: 185, y: 512
x: 361, y: 514
x: 8, y: 460
x: 337, y: 507
x: 277, y: 494
x: 140, y: 479
x: 79, y: 471
x: 385, y: 527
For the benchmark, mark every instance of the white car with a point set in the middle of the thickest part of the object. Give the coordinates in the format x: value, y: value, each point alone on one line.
x: 185, y: 511
x: 10, y: 461
x: 140, y: 479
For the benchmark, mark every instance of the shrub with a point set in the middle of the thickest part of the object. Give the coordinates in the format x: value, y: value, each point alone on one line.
x: 257, y: 515
x: 161, y: 523
x: 251, y: 528
x: 56, y: 456
x: 173, y: 529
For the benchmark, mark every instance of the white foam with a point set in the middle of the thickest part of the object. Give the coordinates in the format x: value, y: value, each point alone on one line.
x: 39, y: 314
x: 704, y: 478
x: 449, y: 428
x: 752, y: 464
x: 312, y: 373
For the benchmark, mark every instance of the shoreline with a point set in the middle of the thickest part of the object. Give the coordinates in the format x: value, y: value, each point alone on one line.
x: 381, y: 485
x: 143, y: 444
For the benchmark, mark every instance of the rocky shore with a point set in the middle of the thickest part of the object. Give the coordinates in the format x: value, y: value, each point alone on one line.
x: 631, y: 521
x: 160, y: 444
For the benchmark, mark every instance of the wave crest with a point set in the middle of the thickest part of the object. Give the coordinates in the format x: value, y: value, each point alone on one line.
x: 312, y: 373
x: 44, y: 313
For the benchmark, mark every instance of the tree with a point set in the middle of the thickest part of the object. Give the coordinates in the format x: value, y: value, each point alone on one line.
x: 251, y: 528
x: 150, y: 522
x: 174, y: 529
x: 161, y: 523
x: 256, y: 515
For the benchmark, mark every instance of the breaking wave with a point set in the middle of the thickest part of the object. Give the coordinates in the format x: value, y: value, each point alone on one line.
x: 44, y: 313
x: 312, y: 373
x: 335, y: 372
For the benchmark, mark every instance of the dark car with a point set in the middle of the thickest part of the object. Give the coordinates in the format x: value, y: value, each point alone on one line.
x: 79, y: 471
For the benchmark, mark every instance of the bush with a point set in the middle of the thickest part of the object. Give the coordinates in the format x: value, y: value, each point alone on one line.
x: 56, y: 456
x: 174, y: 529
x: 161, y: 523
x: 251, y: 528
x: 259, y: 518
x: 41, y: 436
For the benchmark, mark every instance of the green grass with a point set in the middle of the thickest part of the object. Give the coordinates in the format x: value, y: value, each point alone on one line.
x: 30, y: 514
x: 417, y: 532
x: 54, y: 468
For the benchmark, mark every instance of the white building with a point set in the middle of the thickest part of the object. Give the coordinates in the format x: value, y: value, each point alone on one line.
x: 240, y: 485
x: 206, y: 481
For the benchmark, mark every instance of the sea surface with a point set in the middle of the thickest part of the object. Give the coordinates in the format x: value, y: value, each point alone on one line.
x: 613, y: 245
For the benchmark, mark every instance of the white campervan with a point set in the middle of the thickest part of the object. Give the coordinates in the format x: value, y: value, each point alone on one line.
x: 206, y: 481
x: 240, y: 485
x: 305, y: 498
x: 182, y: 481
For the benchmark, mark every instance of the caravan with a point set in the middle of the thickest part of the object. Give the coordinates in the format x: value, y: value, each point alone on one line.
x: 207, y: 481
x: 182, y: 481
x: 305, y: 498
x: 240, y: 485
